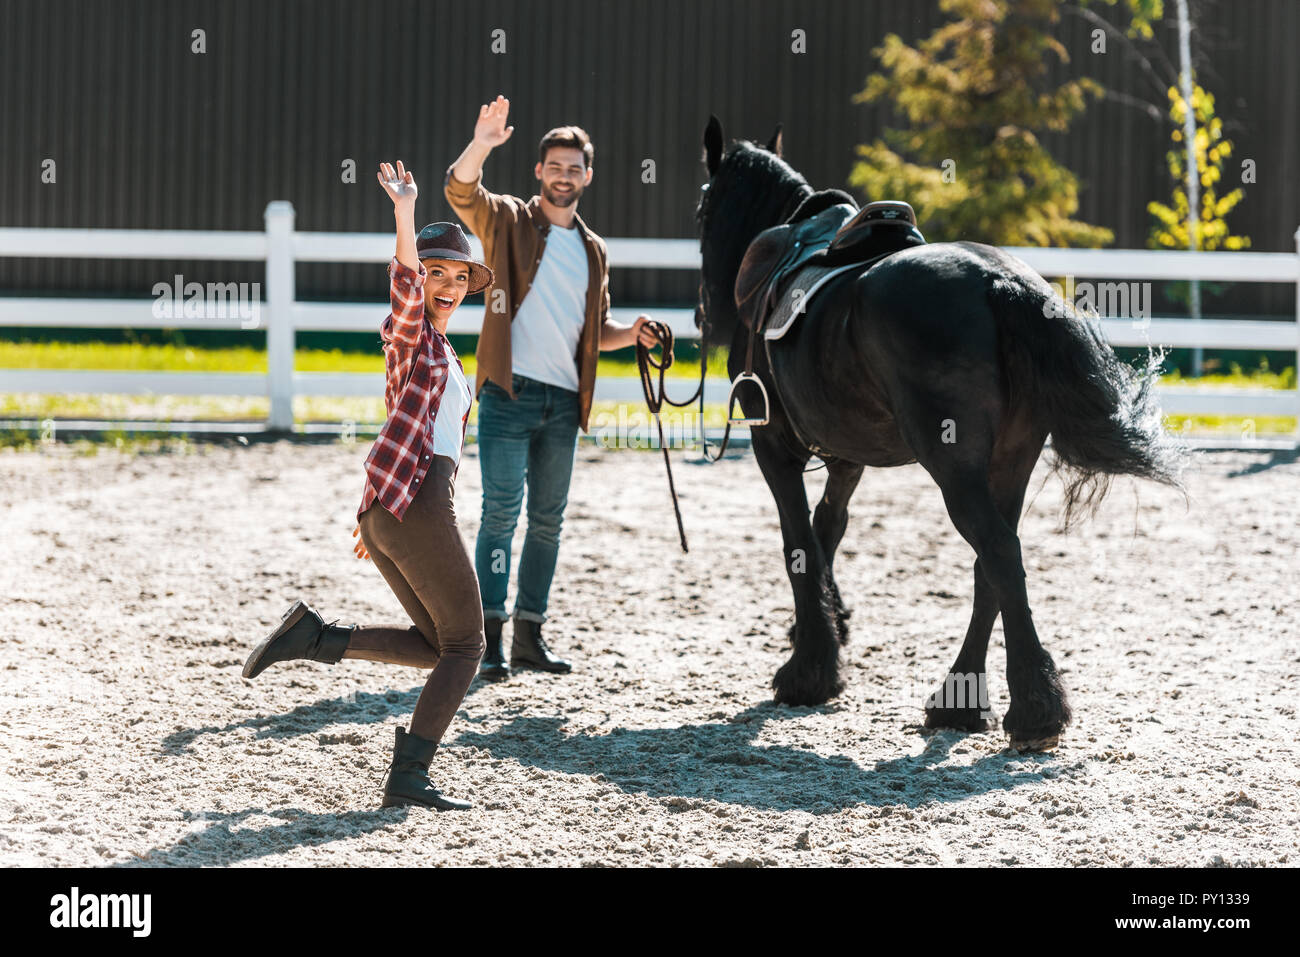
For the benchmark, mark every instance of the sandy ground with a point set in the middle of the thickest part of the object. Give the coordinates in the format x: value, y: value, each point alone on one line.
x: 132, y: 588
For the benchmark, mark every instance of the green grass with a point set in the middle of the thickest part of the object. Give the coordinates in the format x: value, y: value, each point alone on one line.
x: 20, y: 441
x: 130, y: 357
x: 173, y: 408
x: 1263, y: 378
x: 142, y: 357
x: 1231, y: 424
x: 148, y: 357
x: 170, y: 358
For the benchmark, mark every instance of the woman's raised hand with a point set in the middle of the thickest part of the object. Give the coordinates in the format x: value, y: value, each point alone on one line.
x: 491, y: 130
x: 359, y: 549
x: 399, y: 184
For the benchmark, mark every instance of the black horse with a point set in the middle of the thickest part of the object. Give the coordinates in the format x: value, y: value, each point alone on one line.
x: 945, y: 355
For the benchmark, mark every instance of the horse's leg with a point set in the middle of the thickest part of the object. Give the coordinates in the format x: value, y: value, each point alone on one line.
x: 1038, y: 710
x: 811, y: 676
x: 829, y: 521
x: 962, y: 702
x: 968, y: 469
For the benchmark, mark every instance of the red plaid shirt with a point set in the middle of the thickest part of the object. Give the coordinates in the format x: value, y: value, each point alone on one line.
x: 416, y: 359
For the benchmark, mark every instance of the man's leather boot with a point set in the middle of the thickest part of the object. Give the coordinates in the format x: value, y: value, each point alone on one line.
x: 408, y: 776
x: 301, y: 634
x: 493, y: 667
x: 528, y: 648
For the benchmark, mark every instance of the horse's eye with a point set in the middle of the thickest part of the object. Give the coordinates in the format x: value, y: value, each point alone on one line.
x: 704, y: 188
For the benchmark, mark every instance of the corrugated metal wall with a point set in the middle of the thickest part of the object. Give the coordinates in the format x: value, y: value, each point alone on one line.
x: 148, y: 134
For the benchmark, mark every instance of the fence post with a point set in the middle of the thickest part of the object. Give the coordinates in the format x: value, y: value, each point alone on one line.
x: 280, y: 295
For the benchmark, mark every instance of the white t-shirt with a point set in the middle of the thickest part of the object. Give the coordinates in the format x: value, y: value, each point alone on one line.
x: 545, y: 331
x: 453, y: 410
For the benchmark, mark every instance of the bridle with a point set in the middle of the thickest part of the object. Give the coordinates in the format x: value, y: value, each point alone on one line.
x: 656, y: 398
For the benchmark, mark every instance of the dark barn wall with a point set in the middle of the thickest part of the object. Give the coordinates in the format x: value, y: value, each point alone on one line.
x: 147, y: 134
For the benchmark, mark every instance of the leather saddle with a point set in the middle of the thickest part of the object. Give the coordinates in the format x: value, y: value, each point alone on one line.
x: 825, y: 241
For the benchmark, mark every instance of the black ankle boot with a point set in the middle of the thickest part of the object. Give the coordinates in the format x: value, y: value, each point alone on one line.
x: 301, y: 634
x: 528, y: 648
x: 408, y: 776
x: 494, y: 666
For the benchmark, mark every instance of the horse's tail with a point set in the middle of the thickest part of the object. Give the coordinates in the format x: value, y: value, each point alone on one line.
x: 1102, y: 414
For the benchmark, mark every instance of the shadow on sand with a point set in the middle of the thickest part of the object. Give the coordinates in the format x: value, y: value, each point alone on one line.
x: 357, y: 708
x: 682, y: 766
x: 212, y: 842
x: 1276, y: 458
x: 721, y: 762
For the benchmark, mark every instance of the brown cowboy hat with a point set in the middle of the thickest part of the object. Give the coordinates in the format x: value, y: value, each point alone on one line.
x: 447, y: 241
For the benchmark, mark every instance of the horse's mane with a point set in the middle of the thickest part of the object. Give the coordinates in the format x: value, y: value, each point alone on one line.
x: 755, y: 183
x: 752, y: 189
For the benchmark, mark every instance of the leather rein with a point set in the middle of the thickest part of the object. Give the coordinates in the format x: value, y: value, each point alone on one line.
x: 656, y: 398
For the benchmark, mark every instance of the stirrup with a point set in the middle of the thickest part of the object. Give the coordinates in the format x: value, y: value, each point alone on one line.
x: 731, y: 401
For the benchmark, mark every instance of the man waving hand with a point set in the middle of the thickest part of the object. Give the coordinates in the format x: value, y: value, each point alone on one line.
x: 546, y: 316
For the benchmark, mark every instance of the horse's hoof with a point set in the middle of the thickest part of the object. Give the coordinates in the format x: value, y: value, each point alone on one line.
x: 1035, y: 722
x: 1030, y: 745
x: 971, y: 720
x: 805, y: 690
x: 1039, y: 736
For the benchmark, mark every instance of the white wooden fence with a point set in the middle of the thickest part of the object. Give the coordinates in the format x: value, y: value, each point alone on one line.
x: 282, y: 314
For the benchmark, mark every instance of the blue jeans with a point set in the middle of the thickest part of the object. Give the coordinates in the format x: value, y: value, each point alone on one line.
x: 531, y: 439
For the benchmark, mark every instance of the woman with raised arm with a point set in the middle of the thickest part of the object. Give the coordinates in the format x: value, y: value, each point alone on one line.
x: 407, y: 522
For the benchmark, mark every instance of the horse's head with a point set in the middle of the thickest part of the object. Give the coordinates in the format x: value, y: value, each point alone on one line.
x: 750, y: 188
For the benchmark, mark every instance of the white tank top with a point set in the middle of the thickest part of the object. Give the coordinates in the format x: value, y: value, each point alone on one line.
x: 453, y: 412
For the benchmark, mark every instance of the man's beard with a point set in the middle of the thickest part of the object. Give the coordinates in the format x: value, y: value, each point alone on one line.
x: 561, y: 200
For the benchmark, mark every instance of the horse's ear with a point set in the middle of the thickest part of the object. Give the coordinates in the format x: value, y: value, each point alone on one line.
x: 713, y: 145
x: 776, y: 143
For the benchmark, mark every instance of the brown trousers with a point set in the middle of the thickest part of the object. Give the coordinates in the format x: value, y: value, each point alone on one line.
x: 424, y: 560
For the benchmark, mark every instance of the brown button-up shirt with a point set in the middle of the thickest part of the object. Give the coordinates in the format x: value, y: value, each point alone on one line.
x: 513, y: 233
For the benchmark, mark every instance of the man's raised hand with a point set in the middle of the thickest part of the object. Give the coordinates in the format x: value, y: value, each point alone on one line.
x: 399, y: 184
x: 491, y: 130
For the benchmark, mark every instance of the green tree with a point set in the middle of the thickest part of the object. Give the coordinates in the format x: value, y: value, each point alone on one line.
x: 1142, y: 14
x: 976, y: 97
x: 1171, y: 223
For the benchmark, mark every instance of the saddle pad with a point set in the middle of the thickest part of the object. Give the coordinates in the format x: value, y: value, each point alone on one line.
x: 798, y: 293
